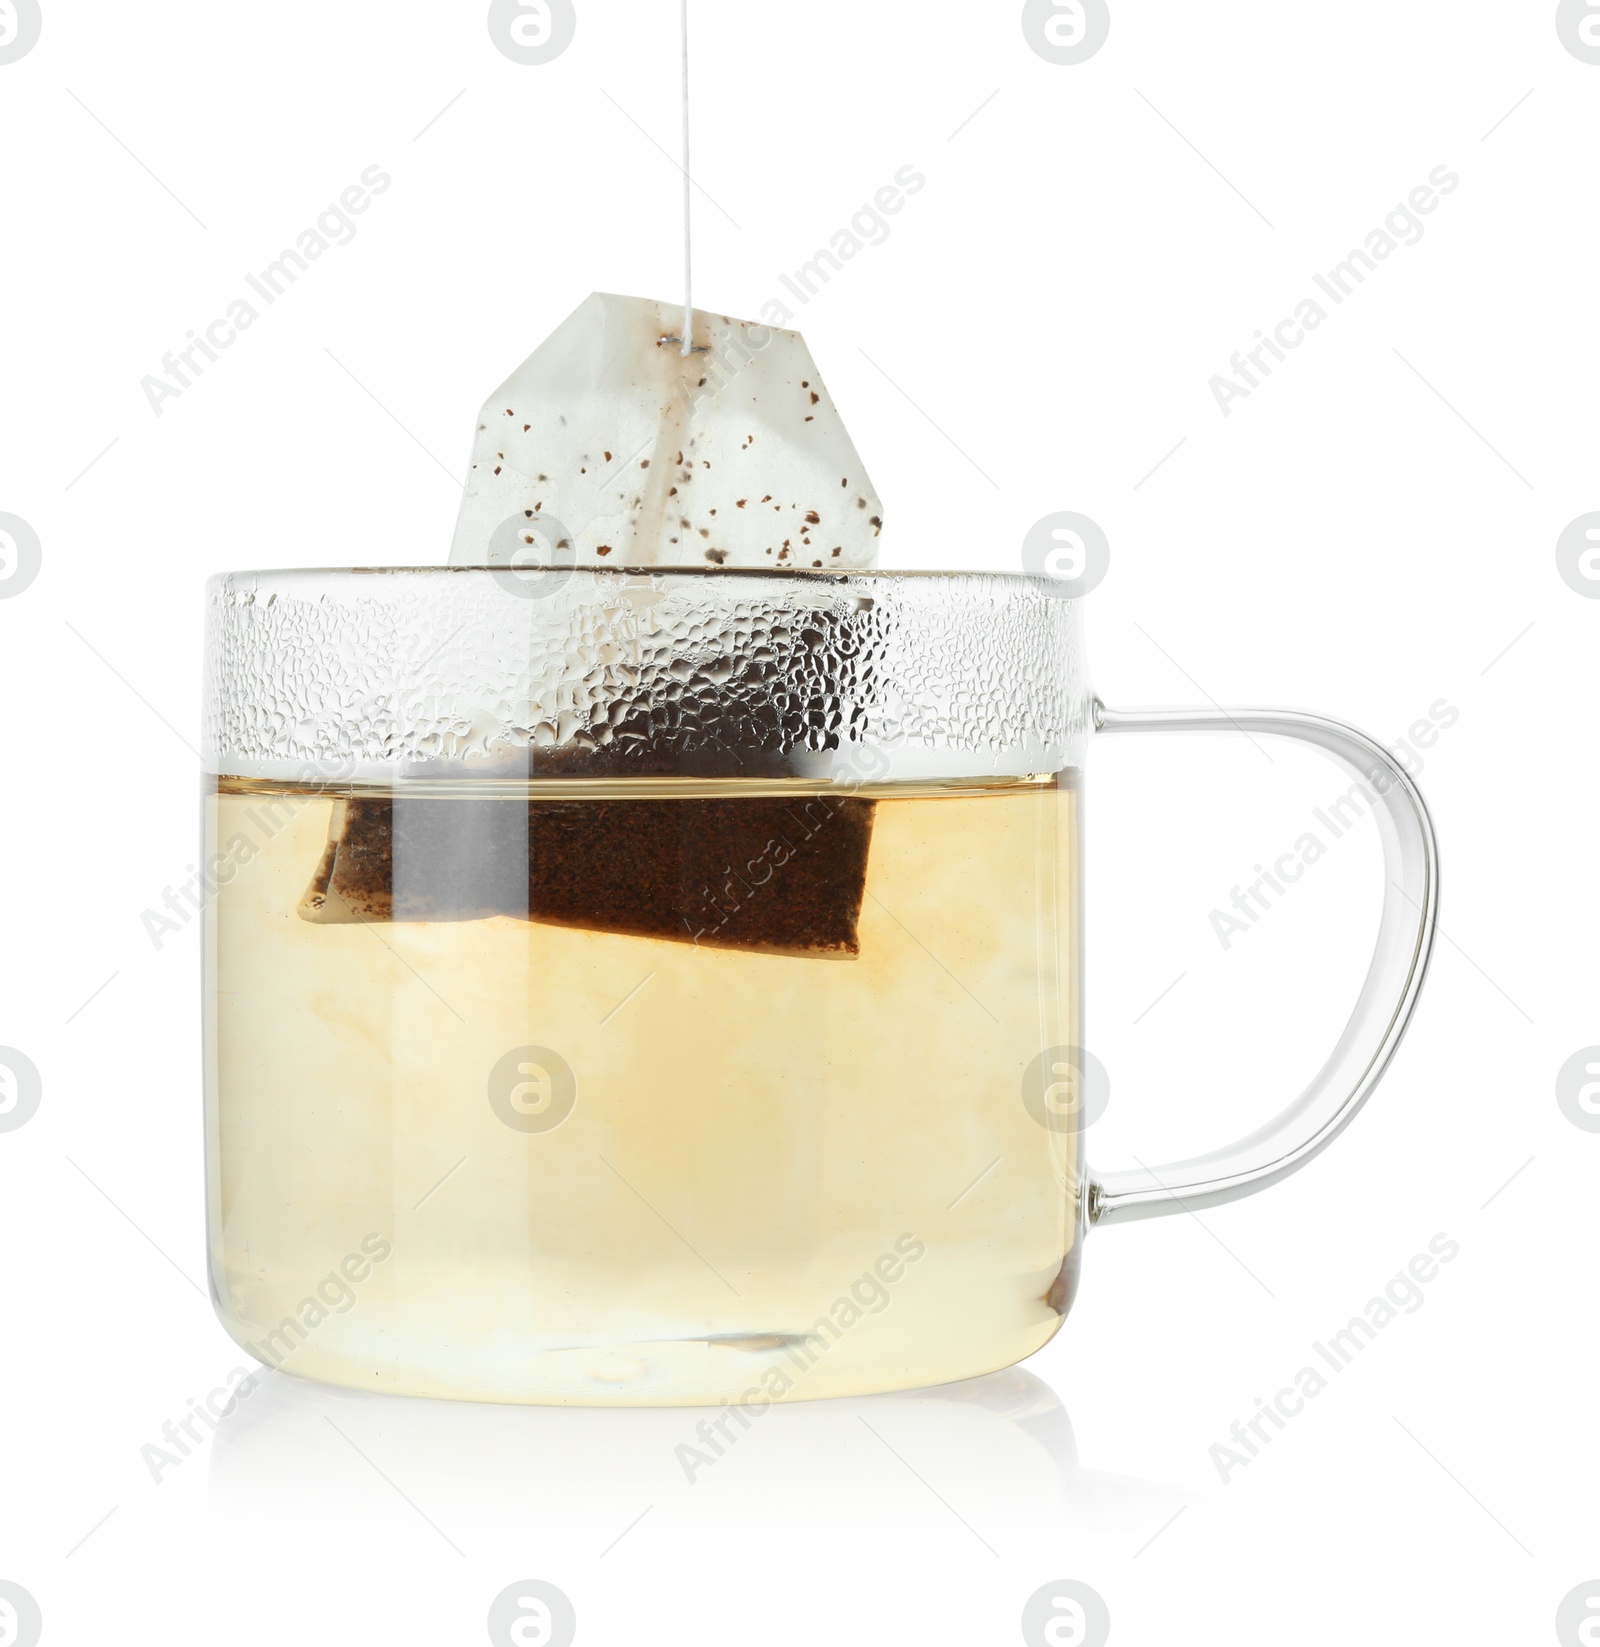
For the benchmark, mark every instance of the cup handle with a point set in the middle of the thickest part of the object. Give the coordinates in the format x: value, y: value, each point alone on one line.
x: 1387, y: 1000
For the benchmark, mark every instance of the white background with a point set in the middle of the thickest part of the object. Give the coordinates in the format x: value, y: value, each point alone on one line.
x: 1366, y: 534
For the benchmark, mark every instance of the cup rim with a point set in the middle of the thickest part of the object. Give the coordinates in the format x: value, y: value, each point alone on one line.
x: 885, y: 574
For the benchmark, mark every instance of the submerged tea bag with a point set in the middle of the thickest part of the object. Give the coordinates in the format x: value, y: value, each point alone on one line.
x: 780, y: 876
x: 732, y: 455
x: 610, y: 447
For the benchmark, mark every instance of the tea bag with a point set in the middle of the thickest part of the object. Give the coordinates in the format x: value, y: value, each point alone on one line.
x: 733, y: 455
x: 610, y: 447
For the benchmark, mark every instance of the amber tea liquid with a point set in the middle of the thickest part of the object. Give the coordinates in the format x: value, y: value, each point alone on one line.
x: 641, y: 1092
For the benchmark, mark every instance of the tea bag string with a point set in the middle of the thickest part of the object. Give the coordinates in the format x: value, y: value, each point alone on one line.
x: 688, y: 213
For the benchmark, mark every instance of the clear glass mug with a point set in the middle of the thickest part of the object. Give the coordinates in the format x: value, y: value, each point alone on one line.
x: 666, y: 987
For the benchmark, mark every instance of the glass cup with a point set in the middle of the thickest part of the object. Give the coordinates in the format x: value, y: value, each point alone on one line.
x: 665, y: 987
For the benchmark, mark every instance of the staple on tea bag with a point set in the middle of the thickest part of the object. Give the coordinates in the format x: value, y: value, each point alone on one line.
x: 733, y: 455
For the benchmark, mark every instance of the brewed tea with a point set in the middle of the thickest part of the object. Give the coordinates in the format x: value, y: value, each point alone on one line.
x: 609, y: 1162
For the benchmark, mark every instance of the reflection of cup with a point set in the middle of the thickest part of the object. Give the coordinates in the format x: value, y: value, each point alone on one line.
x: 668, y: 990
x: 1000, y: 1447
